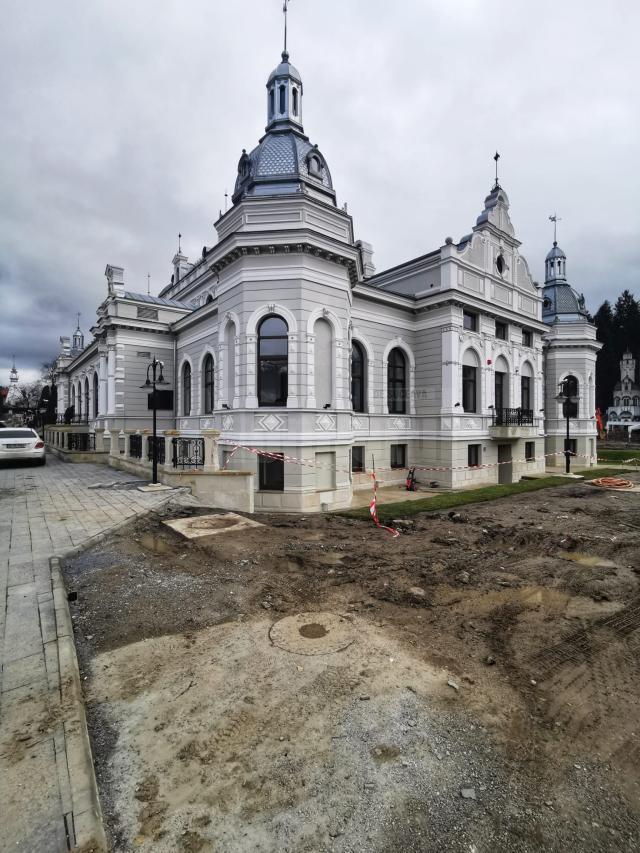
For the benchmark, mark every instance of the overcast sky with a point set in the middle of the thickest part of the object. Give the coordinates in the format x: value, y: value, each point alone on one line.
x: 122, y: 122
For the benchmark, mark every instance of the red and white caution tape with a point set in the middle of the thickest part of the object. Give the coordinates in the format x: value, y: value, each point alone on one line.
x: 373, y: 509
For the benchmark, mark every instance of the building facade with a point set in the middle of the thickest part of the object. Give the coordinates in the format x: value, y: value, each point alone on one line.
x: 624, y: 415
x: 284, y: 338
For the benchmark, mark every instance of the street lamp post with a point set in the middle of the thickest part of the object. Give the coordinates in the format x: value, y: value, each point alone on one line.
x: 152, y: 383
x: 569, y: 400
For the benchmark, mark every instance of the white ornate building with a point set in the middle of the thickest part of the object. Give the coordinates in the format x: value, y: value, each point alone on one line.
x: 283, y: 337
x: 625, y: 411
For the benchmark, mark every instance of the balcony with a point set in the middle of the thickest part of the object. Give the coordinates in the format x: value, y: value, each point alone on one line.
x: 511, y: 424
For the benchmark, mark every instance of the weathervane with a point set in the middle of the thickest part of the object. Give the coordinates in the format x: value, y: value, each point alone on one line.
x: 285, y: 9
x: 496, y: 157
x: 555, y: 219
x: 78, y: 315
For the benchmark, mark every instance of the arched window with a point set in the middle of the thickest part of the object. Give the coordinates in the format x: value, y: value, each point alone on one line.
x: 616, y: 402
x: 86, y: 396
x: 397, y: 382
x: 571, y: 386
x: 295, y: 102
x: 79, y: 398
x: 282, y: 98
x: 272, y: 103
x: 208, y: 385
x: 186, y: 389
x: 273, y: 361
x: 95, y: 395
x: 526, y: 387
x: 501, y: 385
x: 470, y: 364
x: 357, y: 377
x: 73, y: 396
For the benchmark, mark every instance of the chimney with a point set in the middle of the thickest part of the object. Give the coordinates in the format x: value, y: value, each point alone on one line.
x: 366, y: 253
x: 115, y: 280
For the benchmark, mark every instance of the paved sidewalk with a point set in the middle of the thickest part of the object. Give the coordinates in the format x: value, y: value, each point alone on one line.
x: 44, y: 512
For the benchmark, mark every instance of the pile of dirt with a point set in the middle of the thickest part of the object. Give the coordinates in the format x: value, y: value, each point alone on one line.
x: 487, y: 701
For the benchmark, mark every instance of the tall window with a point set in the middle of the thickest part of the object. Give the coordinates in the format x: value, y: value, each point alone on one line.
x: 186, y: 389
x: 272, y: 103
x: 570, y: 389
x: 273, y: 361
x: 469, y: 390
x: 469, y: 321
x: 500, y: 390
x: 73, y: 396
x: 295, y: 102
x: 79, y: 395
x: 208, y: 385
x: 525, y: 392
x: 397, y: 382
x: 282, y: 98
x: 357, y: 377
x: 86, y: 396
x: 95, y: 395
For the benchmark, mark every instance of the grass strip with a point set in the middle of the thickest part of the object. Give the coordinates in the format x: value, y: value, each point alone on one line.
x: 404, y: 509
x: 618, y: 455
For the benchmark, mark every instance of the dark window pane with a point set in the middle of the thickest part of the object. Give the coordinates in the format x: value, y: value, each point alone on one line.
x: 469, y: 321
x: 500, y: 389
x: 357, y: 458
x: 398, y: 455
x: 473, y: 455
x: 273, y: 346
x: 357, y: 377
x: 396, y: 383
x: 530, y: 451
x: 186, y: 389
x: 208, y: 385
x: 273, y: 326
x: 469, y: 388
x: 271, y: 473
x: 525, y: 397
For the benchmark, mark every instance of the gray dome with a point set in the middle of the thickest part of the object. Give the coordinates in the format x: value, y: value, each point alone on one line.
x: 562, y: 304
x: 555, y: 252
x: 281, y: 163
x: 285, y: 69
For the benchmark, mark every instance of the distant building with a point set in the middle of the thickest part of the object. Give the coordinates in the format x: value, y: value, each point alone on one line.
x: 626, y: 397
x: 284, y: 338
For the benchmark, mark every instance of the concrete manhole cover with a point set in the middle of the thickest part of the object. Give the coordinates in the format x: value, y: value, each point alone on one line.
x: 210, y: 525
x: 312, y: 634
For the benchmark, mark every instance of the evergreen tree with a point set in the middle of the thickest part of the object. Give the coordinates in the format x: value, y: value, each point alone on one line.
x: 618, y: 329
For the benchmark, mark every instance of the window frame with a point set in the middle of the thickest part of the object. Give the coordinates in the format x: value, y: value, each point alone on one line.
x: 360, y: 404
x: 470, y: 381
x: 469, y: 321
x: 502, y: 331
x: 474, y: 451
x: 529, y: 451
x: 187, y: 376
x: 527, y: 338
x: 526, y: 380
x: 395, y: 451
x: 208, y: 384
x: 275, y: 359
x: 267, y: 482
x: 397, y: 402
x: 361, y: 467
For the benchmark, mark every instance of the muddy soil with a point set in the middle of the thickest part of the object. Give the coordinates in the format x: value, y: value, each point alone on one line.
x: 483, y: 698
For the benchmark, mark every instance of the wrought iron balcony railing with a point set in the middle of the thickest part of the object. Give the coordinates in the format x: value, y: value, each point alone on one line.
x: 188, y: 453
x: 84, y: 441
x: 512, y: 417
x: 160, y: 451
x: 135, y: 446
x: 68, y: 420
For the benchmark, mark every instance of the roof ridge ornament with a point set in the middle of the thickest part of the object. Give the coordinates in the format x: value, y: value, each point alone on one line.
x: 555, y: 219
x: 285, y: 10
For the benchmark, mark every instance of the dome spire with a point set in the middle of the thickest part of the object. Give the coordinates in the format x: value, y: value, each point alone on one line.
x: 556, y: 261
x: 285, y: 10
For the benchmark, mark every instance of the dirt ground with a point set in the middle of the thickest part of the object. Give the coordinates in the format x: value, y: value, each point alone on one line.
x: 476, y: 688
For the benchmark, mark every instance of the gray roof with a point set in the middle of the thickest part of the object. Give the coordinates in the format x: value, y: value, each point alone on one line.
x: 155, y: 300
x: 561, y: 303
x: 285, y: 69
x: 279, y: 163
x: 555, y: 252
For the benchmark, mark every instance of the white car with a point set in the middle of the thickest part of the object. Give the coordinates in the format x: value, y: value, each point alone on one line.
x: 21, y: 443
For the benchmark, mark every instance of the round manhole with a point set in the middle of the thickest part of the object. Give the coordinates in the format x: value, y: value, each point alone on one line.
x: 312, y: 634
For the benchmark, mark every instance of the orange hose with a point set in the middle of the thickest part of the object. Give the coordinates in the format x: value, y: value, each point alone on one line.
x: 613, y: 483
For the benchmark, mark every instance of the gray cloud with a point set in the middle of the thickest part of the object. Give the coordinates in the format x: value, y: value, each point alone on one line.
x: 123, y: 122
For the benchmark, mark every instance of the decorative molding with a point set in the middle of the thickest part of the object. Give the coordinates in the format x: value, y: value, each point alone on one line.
x: 325, y: 423
x: 271, y: 423
x: 470, y: 423
x: 227, y: 422
x: 399, y: 423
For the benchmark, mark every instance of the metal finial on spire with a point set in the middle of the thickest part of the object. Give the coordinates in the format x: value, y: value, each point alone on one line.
x: 555, y: 219
x: 13, y: 374
x: 285, y: 9
x: 496, y: 157
x: 179, y: 244
x: 148, y: 284
x: 78, y: 315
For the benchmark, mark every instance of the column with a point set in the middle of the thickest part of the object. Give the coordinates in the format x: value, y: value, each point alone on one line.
x: 451, y: 387
x: 211, y: 461
x: 102, y: 383
x: 111, y: 379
